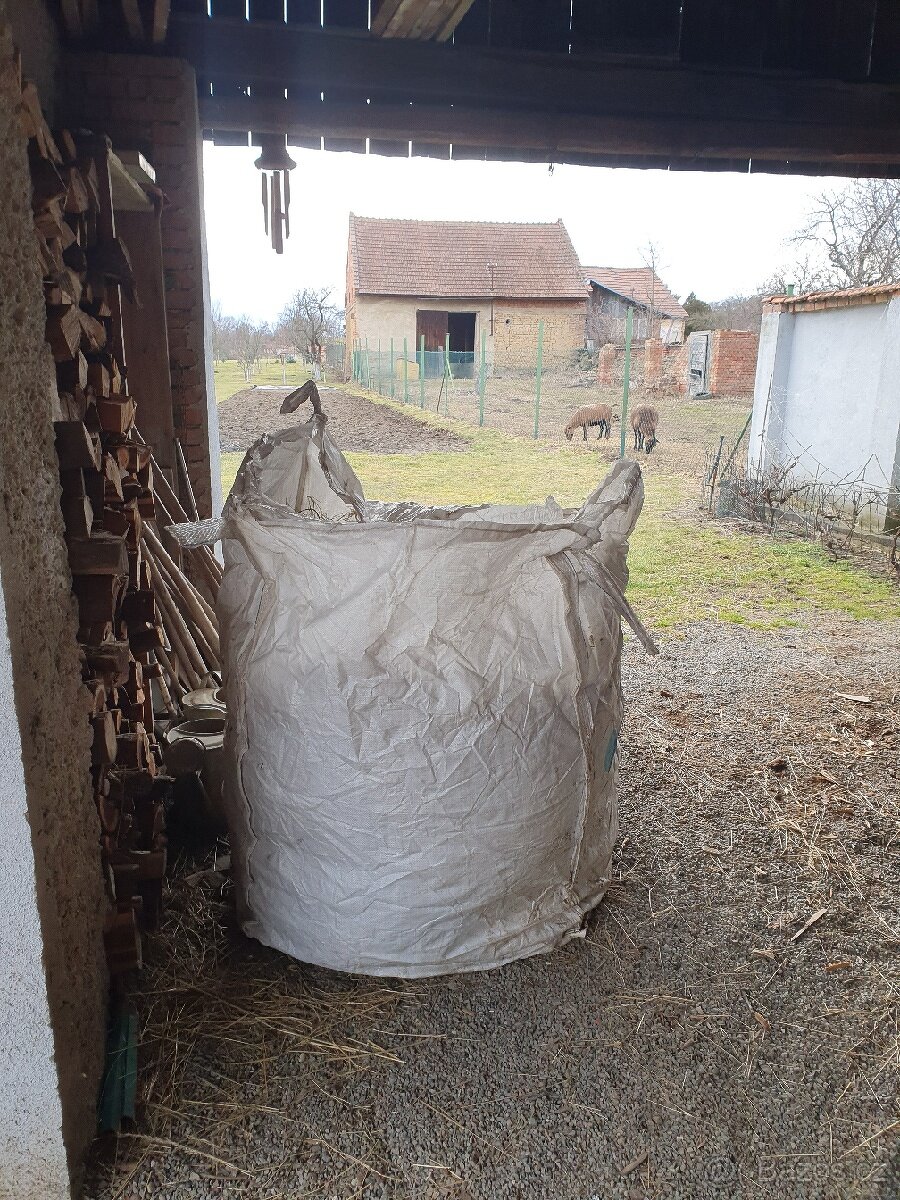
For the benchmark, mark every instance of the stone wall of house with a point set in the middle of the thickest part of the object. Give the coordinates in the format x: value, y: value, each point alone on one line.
x: 150, y: 104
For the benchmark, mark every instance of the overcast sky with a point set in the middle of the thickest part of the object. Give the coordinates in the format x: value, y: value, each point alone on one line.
x: 720, y: 234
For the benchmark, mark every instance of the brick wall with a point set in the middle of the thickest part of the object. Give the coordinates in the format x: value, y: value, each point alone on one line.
x: 150, y: 104
x: 733, y: 362
x: 653, y: 363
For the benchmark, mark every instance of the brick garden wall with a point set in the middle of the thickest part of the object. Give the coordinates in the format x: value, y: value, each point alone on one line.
x: 150, y: 104
x: 733, y: 362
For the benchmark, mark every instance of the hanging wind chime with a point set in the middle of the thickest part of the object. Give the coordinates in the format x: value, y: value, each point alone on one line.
x: 276, y: 191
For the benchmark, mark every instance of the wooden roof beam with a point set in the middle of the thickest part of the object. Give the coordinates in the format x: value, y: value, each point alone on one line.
x: 562, y: 137
x: 71, y: 15
x: 419, y: 20
x: 161, y: 9
x: 134, y: 22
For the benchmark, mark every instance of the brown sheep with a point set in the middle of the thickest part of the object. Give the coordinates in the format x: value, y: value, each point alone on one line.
x: 644, y: 419
x: 590, y: 414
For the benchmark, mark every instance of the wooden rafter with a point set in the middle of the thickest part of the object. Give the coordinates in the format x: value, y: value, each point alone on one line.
x: 419, y: 20
x: 559, y: 136
x: 71, y: 15
x: 133, y: 20
x: 91, y: 15
x: 160, y: 20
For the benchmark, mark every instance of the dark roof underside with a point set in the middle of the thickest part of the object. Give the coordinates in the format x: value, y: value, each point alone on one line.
x: 792, y: 87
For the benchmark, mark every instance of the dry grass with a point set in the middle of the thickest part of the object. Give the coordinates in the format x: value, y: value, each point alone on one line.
x: 217, y: 1013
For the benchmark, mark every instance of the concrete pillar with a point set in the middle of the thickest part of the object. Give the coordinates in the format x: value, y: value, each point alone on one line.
x: 52, y: 901
x: 33, y: 1164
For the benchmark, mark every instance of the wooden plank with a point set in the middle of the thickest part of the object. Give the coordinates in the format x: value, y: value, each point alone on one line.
x: 161, y: 12
x: 452, y: 18
x: 71, y: 15
x: 473, y: 77
x: 563, y: 134
x: 134, y: 22
x: 145, y: 333
x: 346, y: 14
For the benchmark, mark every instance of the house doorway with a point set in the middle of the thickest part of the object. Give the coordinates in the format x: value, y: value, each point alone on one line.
x: 449, y: 336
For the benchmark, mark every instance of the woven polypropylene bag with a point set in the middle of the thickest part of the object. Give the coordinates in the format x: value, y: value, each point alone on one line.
x: 423, y: 708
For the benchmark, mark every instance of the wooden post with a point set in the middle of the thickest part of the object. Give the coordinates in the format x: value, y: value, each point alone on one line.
x: 482, y: 376
x: 539, y: 368
x: 392, y: 368
x: 447, y: 375
x: 626, y: 380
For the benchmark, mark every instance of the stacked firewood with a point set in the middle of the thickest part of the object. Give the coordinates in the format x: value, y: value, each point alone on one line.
x: 140, y: 650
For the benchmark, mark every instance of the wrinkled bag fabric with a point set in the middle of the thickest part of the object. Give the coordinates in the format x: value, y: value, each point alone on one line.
x: 423, y: 708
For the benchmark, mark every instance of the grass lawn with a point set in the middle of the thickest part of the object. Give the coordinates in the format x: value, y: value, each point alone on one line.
x: 681, y: 570
x: 229, y: 376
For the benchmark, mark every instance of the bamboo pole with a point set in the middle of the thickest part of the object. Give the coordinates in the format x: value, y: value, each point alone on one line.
x: 182, y: 462
x: 200, y: 612
x: 199, y: 637
x: 177, y: 628
x: 166, y: 663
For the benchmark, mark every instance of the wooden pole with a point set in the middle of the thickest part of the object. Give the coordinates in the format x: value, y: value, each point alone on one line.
x: 626, y: 380
x: 482, y: 376
x: 539, y: 370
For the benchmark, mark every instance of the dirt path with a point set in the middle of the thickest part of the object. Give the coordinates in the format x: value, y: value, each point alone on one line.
x: 354, y: 422
x: 727, y: 1030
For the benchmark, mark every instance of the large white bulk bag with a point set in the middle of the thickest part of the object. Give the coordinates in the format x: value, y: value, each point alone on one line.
x: 423, y: 706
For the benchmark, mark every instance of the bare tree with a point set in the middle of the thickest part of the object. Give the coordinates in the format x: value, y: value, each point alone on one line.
x: 223, y: 328
x: 852, y: 236
x: 248, y: 339
x: 309, y: 320
x: 651, y: 256
x: 806, y: 273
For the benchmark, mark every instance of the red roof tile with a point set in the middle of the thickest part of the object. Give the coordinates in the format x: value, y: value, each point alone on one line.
x: 391, y: 257
x: 829, y: 297
x: 637, y: 283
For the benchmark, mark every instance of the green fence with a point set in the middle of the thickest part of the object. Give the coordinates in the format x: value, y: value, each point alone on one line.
x: 527, y: 386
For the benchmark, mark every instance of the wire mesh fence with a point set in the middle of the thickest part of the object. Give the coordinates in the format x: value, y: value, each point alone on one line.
x: 529, y: 393
x: 793, y: 493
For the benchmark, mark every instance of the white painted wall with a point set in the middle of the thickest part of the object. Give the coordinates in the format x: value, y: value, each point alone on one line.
x: 32, y: 1154
x: 828, y: 392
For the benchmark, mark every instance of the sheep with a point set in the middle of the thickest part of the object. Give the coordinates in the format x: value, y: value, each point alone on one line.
x: 590, y: 414
x: 644, y: 420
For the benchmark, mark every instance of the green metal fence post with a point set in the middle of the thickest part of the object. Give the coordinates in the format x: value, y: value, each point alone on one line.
x: 626, y: 380
x: 368, y: 367
x: 539, y: 369
x: 392, y: 368
x: 405, y: 373
x: 380, y: 393
x: 482, y: 373
x: 447, y: 375
x: 422, y: 371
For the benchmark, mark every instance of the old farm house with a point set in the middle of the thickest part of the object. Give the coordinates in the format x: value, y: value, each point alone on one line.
x: 454, y: 283
x: 613, y: 290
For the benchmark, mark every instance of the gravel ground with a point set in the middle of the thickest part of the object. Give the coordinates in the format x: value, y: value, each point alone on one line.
x: 727, y: 1029
x: 354, y: 422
